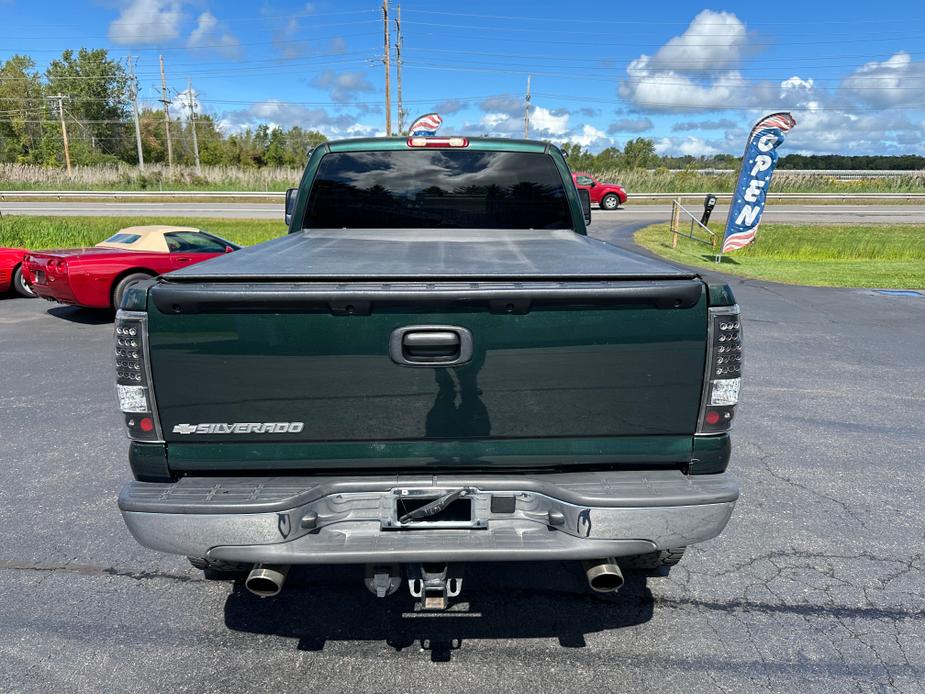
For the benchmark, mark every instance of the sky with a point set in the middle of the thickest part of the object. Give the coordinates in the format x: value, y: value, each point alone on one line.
x: 693, y: 78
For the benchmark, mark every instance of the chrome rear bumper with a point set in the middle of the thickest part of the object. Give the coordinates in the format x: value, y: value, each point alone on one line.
x: 313, y: 520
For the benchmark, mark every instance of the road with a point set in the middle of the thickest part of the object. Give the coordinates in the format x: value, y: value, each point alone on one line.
x: 818, y: 584
x: 630, y: 214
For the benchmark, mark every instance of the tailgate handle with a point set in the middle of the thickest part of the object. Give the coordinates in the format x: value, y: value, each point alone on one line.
x: 430, y: 345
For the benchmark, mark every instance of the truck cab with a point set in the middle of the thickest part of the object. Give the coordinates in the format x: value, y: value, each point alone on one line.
x: 435, y: 366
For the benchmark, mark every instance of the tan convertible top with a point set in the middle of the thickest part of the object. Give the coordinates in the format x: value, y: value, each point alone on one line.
x: 150, y: 238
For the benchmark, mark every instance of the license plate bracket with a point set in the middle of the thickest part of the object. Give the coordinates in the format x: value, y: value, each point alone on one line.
x: 459, y: 513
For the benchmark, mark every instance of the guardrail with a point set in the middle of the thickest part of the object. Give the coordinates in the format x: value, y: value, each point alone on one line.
x: 218, y: 195
x: 167, y: 195
x: 844, y: 174
x: 788, y: 196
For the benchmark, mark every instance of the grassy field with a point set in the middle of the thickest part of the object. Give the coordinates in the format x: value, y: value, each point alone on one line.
x: 68, y: 232
x: 158, y: 177
x: 838, y: 256
x: 662, y: 181
x: 833, y: 255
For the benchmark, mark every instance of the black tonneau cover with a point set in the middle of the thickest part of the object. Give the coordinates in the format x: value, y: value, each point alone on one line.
x: 425, y: 254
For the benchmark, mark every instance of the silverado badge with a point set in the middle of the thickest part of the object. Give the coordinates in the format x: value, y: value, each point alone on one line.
x: 240, y: 428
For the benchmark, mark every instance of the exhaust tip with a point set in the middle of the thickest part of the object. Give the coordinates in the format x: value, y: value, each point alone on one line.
x: 266, y: 581
x: 604, y: 575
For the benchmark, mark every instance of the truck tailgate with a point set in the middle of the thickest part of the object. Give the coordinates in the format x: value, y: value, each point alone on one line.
x: 598, y: 369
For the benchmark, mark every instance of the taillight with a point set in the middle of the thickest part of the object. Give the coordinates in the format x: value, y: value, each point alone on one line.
x: 61, y: 266
x: 133, y: 377
x: 723, y: 370
x: 438, y: 142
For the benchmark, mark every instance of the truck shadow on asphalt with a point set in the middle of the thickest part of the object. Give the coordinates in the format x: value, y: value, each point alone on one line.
x: 498, y: 601
x: 84, y: 316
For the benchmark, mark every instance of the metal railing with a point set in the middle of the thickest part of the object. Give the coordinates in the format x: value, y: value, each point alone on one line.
x: 218, y: 195
x: 677, y: 212
x: 128, y: 194
x: 842, y: 174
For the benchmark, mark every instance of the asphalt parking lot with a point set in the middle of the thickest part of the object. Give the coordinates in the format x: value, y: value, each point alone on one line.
x: 818, y: 584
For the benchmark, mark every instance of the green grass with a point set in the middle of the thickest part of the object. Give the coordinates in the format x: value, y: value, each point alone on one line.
x: 158, y: 177
x: 37, y: 233
x: 663, y: 181
x: 820, y: 255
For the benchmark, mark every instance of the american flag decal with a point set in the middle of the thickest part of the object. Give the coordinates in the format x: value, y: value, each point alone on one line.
x: 782, y: 121
x: 758, y: 164
x: 426, y: 125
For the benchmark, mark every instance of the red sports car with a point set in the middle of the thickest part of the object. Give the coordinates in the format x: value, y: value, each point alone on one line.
x: 11, y: 274
x: 608, y: 195
x: 98, y: 277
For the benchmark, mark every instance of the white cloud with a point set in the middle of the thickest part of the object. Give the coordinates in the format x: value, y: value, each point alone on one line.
x: 179, y: 106
x: 146, y: 21
x: 546, y: 121
x: 630, y: 125
x: 588, y: 136
x: 687, y: 146
x: 896, y: 81
x: 712, y: 41
x: 843, y: 132
x: 493, y: 120
x: 209, y: 33
x: 696, y: 70
x: 281, y: 114
x: 342, y: 86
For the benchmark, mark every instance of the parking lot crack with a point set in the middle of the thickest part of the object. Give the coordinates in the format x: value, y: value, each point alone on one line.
x: 48, y: 568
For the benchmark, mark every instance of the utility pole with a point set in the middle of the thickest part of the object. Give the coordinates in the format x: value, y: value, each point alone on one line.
x: 398, y: 45
x: 192, y: 121
x: 60, y: 98
x: 133, y: 85
x: 166, y: 102
x: 527, y: 110
x: 385, y: 59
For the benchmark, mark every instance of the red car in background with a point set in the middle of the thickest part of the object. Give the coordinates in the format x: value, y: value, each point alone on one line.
x: 98, y: 277
x: 608, y: 195
x: 11, y: 273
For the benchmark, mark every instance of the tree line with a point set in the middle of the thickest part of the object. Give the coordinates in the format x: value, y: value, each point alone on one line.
x: 97, y: 112
x: 96, y: 101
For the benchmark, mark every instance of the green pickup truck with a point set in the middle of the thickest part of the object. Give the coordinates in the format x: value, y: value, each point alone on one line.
x: 436, y: 365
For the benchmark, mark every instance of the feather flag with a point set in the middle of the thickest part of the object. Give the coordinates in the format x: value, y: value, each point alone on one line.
x: 426, y: 125
x: 751, y: 190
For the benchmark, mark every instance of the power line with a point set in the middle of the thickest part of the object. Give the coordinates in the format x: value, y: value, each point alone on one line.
x: 623, y: 21
x: 227, y: 20
x: 211, y: 45
x: 102, y: 38
x: 475, y: 36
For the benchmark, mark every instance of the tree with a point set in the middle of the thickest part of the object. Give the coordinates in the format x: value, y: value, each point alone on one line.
x: 640, y: 154
x: 97, y: 88
x: 22, y: 108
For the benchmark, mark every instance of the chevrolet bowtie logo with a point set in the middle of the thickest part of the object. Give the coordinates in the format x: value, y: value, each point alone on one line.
x: 184, y: 429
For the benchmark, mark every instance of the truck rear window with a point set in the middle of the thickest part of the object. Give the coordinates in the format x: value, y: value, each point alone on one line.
x: 460, y: 189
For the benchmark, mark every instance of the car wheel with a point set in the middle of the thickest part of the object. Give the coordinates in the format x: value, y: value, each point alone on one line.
x: 653, y: 560
x: 124, y: 284
x: 610, y: 202
x: 20, y: 285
